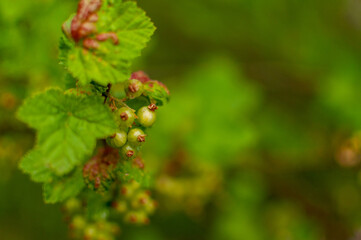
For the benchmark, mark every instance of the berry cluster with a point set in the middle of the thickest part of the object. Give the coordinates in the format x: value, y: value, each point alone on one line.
x: 99, y: 230
x: 116, y: 171
x: 83, y: 228
x: 130, y: 135
x: 134, y: 105
x: 187, y: 185
x: 128, y: 202
x: 132, y: 122
x: 134, y: 203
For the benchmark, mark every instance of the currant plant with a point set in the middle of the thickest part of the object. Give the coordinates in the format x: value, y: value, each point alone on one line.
x: 90, y: 134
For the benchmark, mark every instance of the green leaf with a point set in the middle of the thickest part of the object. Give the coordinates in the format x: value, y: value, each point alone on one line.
x: 33, y: 164
x: 68, y: 126
x: 64, y: 188
x: 69, y: 81
x: 109, y: 63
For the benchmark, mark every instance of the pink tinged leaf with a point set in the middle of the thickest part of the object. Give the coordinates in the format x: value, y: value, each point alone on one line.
x: 86, y: 13
x: 75, y: 25
x: 86, y: 29
x: 87, y: 7
x: 105, y: 36
x: 93, y: 18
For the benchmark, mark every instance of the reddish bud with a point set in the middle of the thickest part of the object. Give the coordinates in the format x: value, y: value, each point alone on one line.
x: 93, y: 18
x: 141, y: 76
x: 87, y: 7
x: 85, y: 15
x: 86, y: 29
x: 96, y: 170
x: 74, y: 29
x: 90, y: 43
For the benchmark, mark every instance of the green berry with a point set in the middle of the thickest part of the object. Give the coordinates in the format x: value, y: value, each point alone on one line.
x: 78, y: 222
x: 90, y: 232
x: 134, y: 88
x: 140, y: 200
x: 118, y: 139
x: 127, y: 190
x: 72, y: 205
x: 136, y: 137
x: 104, y: 236
x: 146, y: 117
x: 136, y: 217
x: 150, y: 206
x: 125, y: 117
x: 120, y: 206
x: 128, y: 152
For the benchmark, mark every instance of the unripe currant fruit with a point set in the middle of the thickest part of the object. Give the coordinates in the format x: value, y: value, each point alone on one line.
x: 128, y: 190
x: 118, y: 139
x: 104, y: 236
x: 90, y: 232
x: 134, y: 88
x: 78, y: 223
x: 120, y: 206
x: 140, y: 200
x: 136, y: 136
x: 125, y: 117
x: 111, y: 228
x: 136, y: 217
x: 72, y: 205
x: 128, y: 152
x: 146, y: 117
x: 150, y: 206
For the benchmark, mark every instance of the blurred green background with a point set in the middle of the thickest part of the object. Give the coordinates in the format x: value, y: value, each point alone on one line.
x: 261, y: 137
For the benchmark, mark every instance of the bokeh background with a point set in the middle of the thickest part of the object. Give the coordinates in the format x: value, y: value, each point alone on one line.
x: 260, y: 140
